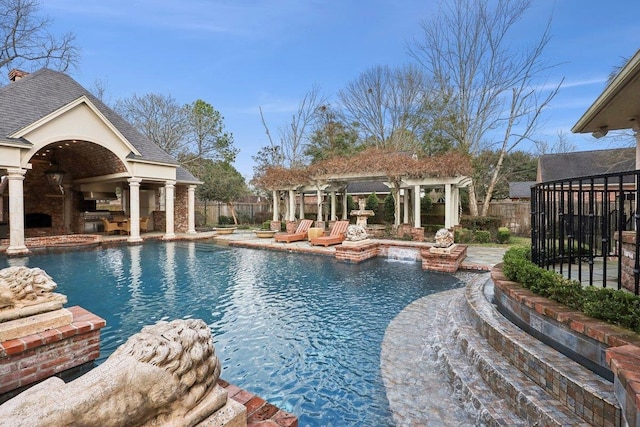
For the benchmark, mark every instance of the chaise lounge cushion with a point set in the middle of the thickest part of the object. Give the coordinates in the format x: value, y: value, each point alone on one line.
x: 299, y: 234
x: 338, y: 233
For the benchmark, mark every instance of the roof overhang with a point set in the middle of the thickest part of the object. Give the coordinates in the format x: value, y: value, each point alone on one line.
x: 618, y: 107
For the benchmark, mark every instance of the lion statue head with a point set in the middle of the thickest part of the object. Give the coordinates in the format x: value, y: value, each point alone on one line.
x: 356, y: 233
x: 21, y: 286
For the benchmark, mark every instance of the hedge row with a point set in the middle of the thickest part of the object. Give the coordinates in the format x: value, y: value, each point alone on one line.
x: 615, y: 306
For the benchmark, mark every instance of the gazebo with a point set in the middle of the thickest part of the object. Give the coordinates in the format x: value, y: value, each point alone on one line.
x: 398, y: 170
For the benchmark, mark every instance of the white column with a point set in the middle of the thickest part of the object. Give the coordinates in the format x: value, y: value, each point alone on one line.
x: 319, y: 201
x: 301, y: 205
x: 275, y: 206
x: 191, y: 210
x: 448, y: 212
x: 416, y: 207
x: 333, y: 206
x: 456, y: 206
x: 344, y: 205
x: 134, y: 210
x: 16, y: 212
x: 292, y: 205
x: 67, y: 208
x: 169, y: 194
x: 406, y: 206
x: 396, y: 192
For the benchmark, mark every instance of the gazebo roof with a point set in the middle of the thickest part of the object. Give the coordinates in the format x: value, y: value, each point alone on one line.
x: 371, y: 165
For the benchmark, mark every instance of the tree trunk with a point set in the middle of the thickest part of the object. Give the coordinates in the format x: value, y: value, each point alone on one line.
x: 492, y: 183
x: 232, y: 208
x: 473, y: 201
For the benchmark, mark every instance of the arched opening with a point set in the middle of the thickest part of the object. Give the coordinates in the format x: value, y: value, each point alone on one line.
x: 79, y: 165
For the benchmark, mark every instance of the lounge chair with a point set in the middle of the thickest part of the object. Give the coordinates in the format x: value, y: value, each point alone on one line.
x: 337, y: 235
x: 111, y: 226
x: 299, y: 234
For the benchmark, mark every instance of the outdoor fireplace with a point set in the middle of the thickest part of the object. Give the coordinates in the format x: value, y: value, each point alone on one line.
x: 37, y: 220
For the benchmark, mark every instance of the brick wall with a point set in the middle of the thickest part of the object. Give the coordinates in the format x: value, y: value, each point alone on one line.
x: 356, y: 254
x: 26, y: 360
x: 628, y: 259
x: 40, y: 197
x: 181, y: 209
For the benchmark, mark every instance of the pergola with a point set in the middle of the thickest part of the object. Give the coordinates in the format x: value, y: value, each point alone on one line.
x: 397, y: 170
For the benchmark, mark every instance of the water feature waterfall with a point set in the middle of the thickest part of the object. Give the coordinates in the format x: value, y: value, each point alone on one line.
x: 395, y: 253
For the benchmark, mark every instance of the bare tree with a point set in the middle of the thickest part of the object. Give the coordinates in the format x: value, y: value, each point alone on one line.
x: 295, y: 136
x: 561, y: 145
x: 26, y: 39
x: 491, y: 87
x: 159, y: 117
x: 385, y: 104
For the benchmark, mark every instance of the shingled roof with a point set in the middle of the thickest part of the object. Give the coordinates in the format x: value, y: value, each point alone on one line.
x: 553, y: 167
x: 520, y: 189
x: 36, y: 95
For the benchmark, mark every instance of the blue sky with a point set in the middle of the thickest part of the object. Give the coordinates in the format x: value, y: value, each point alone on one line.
x: 239, y: 55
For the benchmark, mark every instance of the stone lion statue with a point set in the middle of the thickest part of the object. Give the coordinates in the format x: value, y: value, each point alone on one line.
x: 356, y: 233
x: 166, y: 375
x: 21, y: 286
x: 444, y: 238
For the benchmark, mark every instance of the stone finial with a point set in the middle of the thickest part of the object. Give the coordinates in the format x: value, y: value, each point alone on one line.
x: 165, y: 375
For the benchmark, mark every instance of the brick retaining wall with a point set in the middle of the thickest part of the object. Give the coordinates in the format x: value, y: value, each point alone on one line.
x: 29, y: 359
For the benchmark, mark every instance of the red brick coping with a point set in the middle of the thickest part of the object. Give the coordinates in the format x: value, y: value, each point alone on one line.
x: 59, y: 242
x: 260, y: 413
x: 35, y: 357
x: 622, y: 345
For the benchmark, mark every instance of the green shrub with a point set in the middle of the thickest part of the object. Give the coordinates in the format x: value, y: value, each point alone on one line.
x: 504, y: 235
x: 475, y: 223
x: 462, y: 235
x: 389, y: 208
x: 225, y: 220
x: 351, y: 204
x: 372, y: 202
x: 482, y: 236
x: 266, y: 225
x: 425, y: 204
x: 611, y: 305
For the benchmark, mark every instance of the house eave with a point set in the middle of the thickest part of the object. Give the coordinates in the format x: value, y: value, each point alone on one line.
x: 618, y: 106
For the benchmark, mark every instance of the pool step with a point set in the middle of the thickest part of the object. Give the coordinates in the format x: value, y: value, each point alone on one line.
x: 538, y: 383
x: 489, y: 407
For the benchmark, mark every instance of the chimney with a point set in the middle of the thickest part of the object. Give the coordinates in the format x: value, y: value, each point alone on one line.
x: 15, y: 75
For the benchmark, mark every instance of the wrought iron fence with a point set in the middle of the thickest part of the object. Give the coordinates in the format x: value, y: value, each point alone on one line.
x: 577, y: 224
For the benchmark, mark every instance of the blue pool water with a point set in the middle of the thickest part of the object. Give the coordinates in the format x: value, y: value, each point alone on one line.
x: 303, y: 332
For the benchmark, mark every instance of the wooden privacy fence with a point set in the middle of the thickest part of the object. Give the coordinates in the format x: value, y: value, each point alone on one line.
x: 515, y: 214
x: 247, y: 213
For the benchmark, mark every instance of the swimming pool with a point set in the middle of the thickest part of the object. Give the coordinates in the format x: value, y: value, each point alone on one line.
x: 303, y: 332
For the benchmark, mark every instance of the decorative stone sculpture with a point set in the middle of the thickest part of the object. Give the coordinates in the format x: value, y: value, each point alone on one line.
x: 444, y: 238
x: 26, y: 292
x: 163, y: 376
x: 356, y: 233
x: 22, y: 286
x: 362, y: 214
